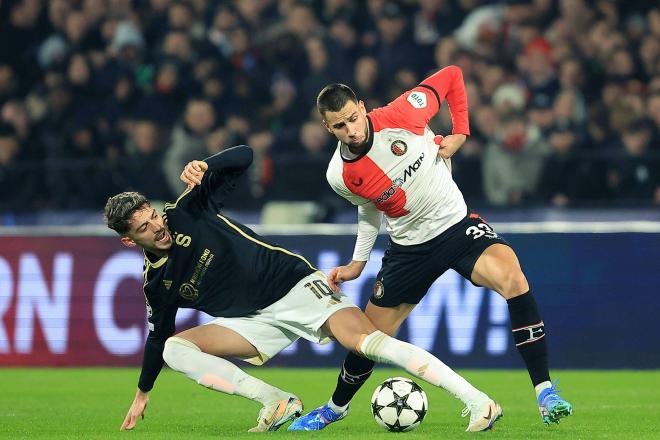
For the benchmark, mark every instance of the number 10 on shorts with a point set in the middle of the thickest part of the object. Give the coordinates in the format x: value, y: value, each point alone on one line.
x: 320, y: 289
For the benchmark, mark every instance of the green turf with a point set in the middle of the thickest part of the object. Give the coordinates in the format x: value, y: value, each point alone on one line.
x: 91, y: 403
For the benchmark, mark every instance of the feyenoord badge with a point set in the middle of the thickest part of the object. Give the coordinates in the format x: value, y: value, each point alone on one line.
x: 399, y: 148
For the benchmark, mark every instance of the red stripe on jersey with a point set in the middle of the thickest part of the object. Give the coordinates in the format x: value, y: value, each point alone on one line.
x: 365, y: 179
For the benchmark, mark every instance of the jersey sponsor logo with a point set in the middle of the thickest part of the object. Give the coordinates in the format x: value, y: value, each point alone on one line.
x: 188, y: 291
x: 379, y: 290
x: 399, y: 181
x: 202, y: 267
x: 376, y: 182
x: 398, y: 148
x: 417, y: 99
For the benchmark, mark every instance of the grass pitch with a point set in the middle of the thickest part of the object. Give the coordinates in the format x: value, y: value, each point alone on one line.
x: 91, y: 404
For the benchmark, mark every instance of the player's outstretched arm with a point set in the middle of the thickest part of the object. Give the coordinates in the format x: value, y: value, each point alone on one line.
x: 161, y: 326
x: 345, y: 273
x: 136, y: 410
x: 235, y: 160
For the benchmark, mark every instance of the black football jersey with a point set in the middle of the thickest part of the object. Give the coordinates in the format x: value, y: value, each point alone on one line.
x: 215, y: 264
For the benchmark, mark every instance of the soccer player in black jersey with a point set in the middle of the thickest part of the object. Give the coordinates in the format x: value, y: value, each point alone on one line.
x: 263, y: 296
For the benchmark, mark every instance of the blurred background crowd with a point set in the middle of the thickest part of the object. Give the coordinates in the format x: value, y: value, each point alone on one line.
x: 101, y: 96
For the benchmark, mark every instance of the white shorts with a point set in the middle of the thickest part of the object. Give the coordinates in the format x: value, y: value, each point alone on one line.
x: 299, y: 314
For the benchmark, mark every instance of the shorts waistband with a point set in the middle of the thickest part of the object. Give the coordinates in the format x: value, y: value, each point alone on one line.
x: 431, y: 242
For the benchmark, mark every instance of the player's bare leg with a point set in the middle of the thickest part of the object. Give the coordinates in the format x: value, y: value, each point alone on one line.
x: 199, y: 352
x: 388, y: 319
x: 354, y: 331
x: 498, y: 268
x: 355, y: 370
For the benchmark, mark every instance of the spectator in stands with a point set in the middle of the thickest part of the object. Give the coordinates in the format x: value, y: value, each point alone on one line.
x: 168, y: 96
x: 8, y: 83
x: 283, y: 116
x: 18, y: 190
x: 513, y: 161
x: 316, y: 142
x: 368, y: 83
x: 538, y: 68
x: 143, y: 149
x: 632, y: 174
x: 395, y: 48
x: 89, y: 69
x: 188, y: 140
x: 301, y: 175
x: 567, y: 178
x: 653, y: 113
x: 542, y: 114
x: 321, y: 70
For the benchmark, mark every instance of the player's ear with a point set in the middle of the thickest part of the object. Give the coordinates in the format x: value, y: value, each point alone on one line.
x: 327, y: 127
x: 362, y: 107
x: 127, y: 241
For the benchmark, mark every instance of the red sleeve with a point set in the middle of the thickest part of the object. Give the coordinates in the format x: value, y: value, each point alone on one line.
x: 413, y: 110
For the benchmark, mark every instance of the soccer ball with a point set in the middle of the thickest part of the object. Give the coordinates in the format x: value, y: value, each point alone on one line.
x: 399, y: 404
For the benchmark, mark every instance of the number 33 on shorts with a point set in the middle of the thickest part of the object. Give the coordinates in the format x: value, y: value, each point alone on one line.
x: 481, y: 230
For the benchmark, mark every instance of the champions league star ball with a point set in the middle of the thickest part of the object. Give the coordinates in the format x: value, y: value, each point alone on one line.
x: 399, y: 404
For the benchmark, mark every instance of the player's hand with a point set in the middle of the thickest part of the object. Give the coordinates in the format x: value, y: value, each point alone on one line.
x: 136, y: 410
x: 448, y: 145
x: 344, y: 273
x: 193, y: 172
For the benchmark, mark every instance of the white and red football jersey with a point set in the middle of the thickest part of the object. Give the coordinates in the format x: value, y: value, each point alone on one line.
x: 401, y: 174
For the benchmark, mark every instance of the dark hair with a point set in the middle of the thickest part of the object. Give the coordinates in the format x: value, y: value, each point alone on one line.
x: 120, y: 208
x: 334, y: 97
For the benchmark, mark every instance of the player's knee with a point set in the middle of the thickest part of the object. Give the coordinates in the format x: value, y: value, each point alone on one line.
x: 388, y: 327
x: 371, y: 344
x: 175, y: 350
x: 360, y: 341
x: 515, y: 283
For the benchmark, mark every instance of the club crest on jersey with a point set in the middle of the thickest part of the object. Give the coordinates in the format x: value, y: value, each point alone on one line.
x: 379, y: 290
x: 399, y: 148
x: 417, y: 99
x: 188, y: 291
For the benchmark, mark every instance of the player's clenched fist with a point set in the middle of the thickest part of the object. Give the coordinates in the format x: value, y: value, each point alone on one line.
x: 136, y: 410
x: 345, y: 273
x: 193, y: 172
x: 448, y: 145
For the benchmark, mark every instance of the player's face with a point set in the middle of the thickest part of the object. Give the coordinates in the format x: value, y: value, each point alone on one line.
x: 149, y: 231
x: 349, y: 124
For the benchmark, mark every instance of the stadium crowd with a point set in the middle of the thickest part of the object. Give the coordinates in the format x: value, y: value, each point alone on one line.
x: 99, y: 96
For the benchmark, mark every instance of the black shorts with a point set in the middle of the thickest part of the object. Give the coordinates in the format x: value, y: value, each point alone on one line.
x: 407, y: 272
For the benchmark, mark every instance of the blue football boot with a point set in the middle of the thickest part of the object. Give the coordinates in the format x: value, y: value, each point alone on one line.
x: 317, y: 419
x: 552, y: 407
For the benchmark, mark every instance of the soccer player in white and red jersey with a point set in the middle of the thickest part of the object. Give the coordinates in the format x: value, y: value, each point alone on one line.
x: 389, y: 162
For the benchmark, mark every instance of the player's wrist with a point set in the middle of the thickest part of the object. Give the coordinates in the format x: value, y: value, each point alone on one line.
x: 357, y: 266
x: 141, y: 394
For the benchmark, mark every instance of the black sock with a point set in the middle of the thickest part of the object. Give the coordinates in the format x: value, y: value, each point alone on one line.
x: 355, y: 371
x: 529, y: 336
